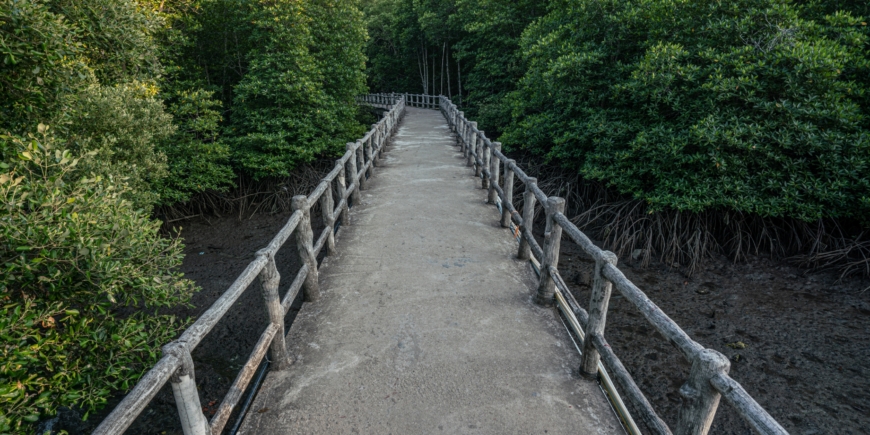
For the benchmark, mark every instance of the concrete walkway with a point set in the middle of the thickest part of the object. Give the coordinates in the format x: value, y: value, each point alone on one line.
x: 427, y: 324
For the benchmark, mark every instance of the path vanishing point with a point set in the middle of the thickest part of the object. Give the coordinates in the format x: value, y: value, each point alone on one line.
x: 426, y: 322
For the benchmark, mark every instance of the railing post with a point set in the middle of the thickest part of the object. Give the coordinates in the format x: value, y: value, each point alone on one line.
x: 508, y: 188
x: 352, y: 179
x: 552, y: 243
x: 486, y: 155
x: 472, y: 143
x: 377, y: 144
x: 460, y: 131
x: 700, y: 399
x: 305, y: 246
x: 270, y: 279
x: 479, y: 145
x: 341, y: 184
x: 327, y: 206
x: 598, y: 302
x: 193, y: 421
x: 525, y: 250
x: 360, y: 154
x: 369, y: 144
x: 495, y: 173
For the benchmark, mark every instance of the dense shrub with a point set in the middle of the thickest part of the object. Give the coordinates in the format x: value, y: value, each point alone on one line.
x: 42, y: 64
x: 295, y: 102
x: 197, y: 158
x: 117, y: 130
x: 117, y: 37
x: 490, y: 49
x: 740, y: 105
x: 81, y: 272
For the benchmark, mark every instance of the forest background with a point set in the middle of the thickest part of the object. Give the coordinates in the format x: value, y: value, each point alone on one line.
x: 677, y: 129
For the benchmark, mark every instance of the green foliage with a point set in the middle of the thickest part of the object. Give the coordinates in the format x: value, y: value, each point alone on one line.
x: 295, y: 102
x: 119, y: 128
x: 73, y: 253
x: 448, y: 46
x: 205, y: 45
x: 42, y: 64
x: 116, y: 37
x: 197, y: 158
x: 741, y: 105
x: 490, y: 46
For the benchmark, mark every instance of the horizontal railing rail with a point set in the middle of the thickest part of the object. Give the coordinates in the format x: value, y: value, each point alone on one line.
x: 177, y: 366
x: 708, y: 379
x: 411, y: 100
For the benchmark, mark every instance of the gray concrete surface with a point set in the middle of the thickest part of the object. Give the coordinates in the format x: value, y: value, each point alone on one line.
x: 427, y: 324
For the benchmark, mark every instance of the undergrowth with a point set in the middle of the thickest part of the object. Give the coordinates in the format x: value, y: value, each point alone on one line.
x: 633, y: 230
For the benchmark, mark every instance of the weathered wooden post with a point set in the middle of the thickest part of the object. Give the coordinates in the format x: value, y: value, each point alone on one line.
x: 486, y: 151
x: 508, y: 194
x: 352, y: 179
x: 360, y: 155
x: 495, y: 172
x: 305, y: 245
x: 193, y: 421
x: 525, y: 250
x: 327, y: 206
x: 461, y: 131
x: 369, y: 144
x: 552, y: 243
x: 380, y: 142
x: 472, y: 143
x: 341, y: 185
x: 270, y: 279
x: 598, y: 303
x: 700, y: 399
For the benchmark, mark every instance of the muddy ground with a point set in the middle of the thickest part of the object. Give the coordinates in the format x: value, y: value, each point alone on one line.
x: 798, y: 342
x: 217, y: 251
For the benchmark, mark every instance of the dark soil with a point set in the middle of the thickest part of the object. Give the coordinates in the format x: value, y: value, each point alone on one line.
x: 217, y: 251
x: 797, y: 341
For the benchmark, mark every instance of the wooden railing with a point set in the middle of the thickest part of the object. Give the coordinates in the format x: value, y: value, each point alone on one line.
x: 708, y: 379
x: 177, y: 366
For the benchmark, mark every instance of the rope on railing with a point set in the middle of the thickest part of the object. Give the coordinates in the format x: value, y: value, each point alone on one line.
x: 177, y: 365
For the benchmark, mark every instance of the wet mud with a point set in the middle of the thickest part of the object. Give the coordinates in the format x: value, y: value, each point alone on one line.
x: 798, y: 342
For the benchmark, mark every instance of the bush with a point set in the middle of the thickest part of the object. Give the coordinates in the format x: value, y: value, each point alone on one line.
x: 82, y: 272
x: 117, y: 130
x: 702, y: 105
x: 197, y: 158
x: 296, y: 101
x: 41, y: 64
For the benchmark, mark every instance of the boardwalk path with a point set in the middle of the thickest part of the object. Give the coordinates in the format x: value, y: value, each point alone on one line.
x: 427, y: 324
